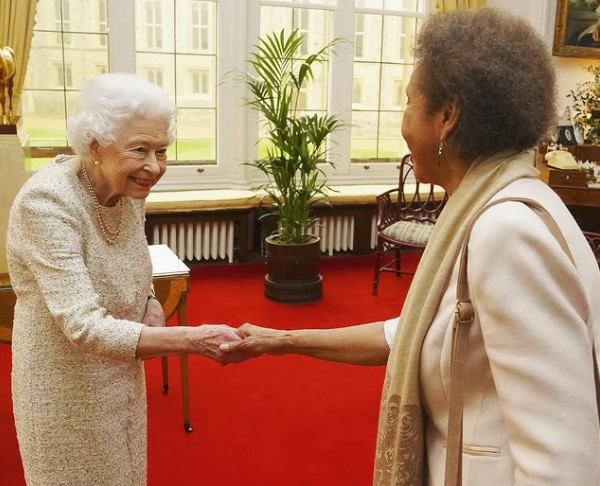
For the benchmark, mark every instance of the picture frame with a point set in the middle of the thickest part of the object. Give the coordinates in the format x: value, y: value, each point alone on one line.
x: 572, y: 34
x: 566, y: 135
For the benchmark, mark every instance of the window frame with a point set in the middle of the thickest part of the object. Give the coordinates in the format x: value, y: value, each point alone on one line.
x: 237, y: 32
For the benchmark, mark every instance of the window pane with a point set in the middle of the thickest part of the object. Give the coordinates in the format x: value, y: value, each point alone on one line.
x: 199, y: 34
x: 314, y: 24
x: 85, y: 56
x: 82, y: 56
x: 196, y: 86
x: 380, y: 84
x: 398, y: 39
x: 393, y: 87
x: 44, y: 115
x: 66, y: 50
x: 85, y: 15
x: 391, y: 143
x: 315, y: 93
x: 177, y: 49
x: 273, y: 19
x: 196, y: 134
x: 364, y: 134
x: 371, y: 38
x: 367, y: 75
x: 411, y: 5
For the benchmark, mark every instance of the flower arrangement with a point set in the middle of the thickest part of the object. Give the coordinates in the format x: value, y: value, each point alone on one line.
x: 586, y: 106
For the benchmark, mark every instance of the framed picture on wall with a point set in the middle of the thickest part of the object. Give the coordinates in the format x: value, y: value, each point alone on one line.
x: 577, y: 31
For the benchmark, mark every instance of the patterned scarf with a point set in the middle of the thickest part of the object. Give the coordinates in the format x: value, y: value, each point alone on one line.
x: 400, y: 438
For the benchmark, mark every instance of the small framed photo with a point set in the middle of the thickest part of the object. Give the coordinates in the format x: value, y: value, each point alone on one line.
x: 566, y: 135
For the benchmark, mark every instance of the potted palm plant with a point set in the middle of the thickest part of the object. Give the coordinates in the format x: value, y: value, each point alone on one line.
x: 295, y: 150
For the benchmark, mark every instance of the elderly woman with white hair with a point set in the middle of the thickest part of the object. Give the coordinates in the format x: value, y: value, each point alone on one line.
x: 85, y: 315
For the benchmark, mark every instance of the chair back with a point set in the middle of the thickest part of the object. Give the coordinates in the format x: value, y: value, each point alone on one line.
x: 416, y: 201
x: 594, y: 241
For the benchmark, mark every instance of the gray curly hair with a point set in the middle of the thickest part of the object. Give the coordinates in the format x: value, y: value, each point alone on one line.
x: 498, y: 70
x: 108, y: 102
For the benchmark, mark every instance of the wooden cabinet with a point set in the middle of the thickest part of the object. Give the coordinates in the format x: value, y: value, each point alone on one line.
x: 583, y: 201
x: 579, y: 196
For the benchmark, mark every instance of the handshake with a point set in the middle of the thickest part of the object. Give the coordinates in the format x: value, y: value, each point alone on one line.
x: 226, y: 344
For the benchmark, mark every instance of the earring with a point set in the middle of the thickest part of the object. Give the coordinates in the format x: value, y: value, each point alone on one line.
x: 96, y: 162
x: 440, y: 149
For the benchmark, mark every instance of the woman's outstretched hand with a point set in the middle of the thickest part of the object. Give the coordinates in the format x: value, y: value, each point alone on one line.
x: 207, y: 339
x: 256, y: 341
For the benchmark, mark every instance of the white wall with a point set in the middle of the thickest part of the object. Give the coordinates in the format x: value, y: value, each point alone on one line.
x: 542, y: 15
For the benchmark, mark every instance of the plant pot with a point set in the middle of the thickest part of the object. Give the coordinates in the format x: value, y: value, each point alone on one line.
x: 293, y: 272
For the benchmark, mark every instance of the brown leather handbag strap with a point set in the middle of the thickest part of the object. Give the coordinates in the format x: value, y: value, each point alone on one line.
x: 463, y: 316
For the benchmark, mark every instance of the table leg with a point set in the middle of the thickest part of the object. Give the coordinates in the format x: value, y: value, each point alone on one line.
x: 165, y: 374
x: 185, y: 374
x: 185, y: 392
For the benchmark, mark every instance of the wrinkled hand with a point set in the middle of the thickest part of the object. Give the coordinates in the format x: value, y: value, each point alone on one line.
x: 256, y: 342
x: 154, y: 316
x: 207, y: 339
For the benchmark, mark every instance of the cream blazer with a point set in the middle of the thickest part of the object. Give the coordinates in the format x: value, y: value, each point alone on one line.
x: 530, y: 414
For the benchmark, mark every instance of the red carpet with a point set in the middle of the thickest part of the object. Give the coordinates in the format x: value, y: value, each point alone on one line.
x: 285, y: 420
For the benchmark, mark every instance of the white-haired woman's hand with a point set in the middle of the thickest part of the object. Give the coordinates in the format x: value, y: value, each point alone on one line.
x: 256, y: 342
x: 154, y: 316
x: 207, y: 339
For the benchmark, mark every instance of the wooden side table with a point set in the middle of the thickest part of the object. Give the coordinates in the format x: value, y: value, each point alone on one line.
x: 7, y: 307
x: 171, y: 278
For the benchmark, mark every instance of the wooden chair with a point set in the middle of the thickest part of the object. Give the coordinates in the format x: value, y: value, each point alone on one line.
x: 594, y: 241
x: 405, y: 219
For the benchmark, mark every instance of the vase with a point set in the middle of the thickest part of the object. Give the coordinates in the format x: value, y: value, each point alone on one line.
x: 293, y: 272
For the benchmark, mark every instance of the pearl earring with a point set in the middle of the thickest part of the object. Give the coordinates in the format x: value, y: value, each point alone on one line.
x: 96, y: 162
x: 440, y: 149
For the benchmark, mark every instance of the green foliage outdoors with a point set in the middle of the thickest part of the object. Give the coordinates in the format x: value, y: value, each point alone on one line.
x: 295, y: 143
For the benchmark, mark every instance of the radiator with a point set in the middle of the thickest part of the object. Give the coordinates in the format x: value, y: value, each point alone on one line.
x: 196, y: 241
x: 374, y: 232
x: 215, y: 239
x: 336, y: 233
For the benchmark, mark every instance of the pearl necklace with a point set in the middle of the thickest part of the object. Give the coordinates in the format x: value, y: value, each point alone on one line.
x: 111, y: 237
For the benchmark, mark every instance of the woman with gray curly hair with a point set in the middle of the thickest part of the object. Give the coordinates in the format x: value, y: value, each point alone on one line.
x: 481, y: 96
x: 86, y: 314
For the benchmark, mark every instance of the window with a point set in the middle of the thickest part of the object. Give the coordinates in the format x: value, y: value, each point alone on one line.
x: 66, y: 51
x: 192, y: 47
x: 153, y: 22
x: 385, y: 33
